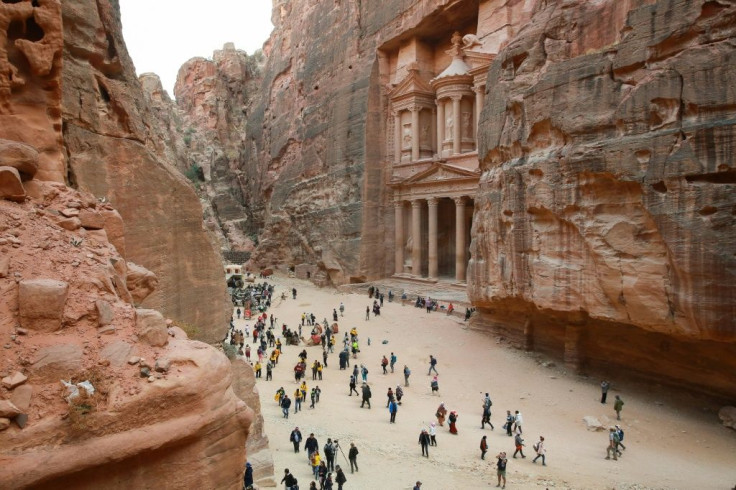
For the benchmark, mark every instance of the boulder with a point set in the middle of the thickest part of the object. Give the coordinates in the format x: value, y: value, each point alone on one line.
x: 140, y: 282
x: 71, y: 224
x: 151, y: 327
x: 23, y: 158
x: 117, y: 353
x: 15, y: 379
x: 21, y: 397
x: 728, y: 416
x: 592, y: 423
x: 105, y: 313
x: 41, y: 304
x: 8, y: 409
x: 4, y: 423
x: 55, y: 362
x: 163, y: 365
x: 91, y: 219
x: 11, y: 187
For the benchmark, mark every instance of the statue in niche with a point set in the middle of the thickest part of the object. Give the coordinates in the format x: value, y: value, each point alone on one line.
x: 449, y: 124
x: 425, y: 134
x: 408, y: 250
x: 407, y: 136
x: 467, y: 126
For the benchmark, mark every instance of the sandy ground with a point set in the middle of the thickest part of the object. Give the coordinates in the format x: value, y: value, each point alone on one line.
x: 671, y: 444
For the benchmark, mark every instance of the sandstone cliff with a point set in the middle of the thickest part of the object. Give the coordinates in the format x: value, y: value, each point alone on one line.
x: 113, y: 153
x: 607, y: 194
x: 158, y: 402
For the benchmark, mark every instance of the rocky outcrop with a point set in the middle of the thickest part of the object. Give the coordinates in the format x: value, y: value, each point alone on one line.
x: 115, y: 155
x: 67, y: 315
x: 607, y: 188
x: 212, y: 96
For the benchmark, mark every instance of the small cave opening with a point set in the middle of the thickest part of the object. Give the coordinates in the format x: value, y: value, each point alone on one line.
x: 35, y: 3
x: 104, y: 93
x: 13, y: 1
x: 29, y: 30
x: 660, y: 187
x: 112, y: 52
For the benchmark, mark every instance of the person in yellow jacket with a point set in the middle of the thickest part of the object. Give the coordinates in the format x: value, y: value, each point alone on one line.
x: 315, y: 463
x: 257, y: 369
x: 303, y: 387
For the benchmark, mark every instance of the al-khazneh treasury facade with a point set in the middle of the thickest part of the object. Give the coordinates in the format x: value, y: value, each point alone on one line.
x: 434, y: 92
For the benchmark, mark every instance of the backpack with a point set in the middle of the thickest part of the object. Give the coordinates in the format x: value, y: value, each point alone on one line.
x: 536, y: 446
x: 616, y: 437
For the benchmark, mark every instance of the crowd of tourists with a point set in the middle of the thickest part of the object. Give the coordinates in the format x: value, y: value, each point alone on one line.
x: 327, y: 475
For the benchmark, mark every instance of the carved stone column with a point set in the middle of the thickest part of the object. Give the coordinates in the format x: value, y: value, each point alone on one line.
x: 478, y: 105
x: 432, y: 205
x: 460, y: 239
x: 416, y: 238
x: 434, y: 130
x: 415, y: 133
x: 397, y: 137
x: 456, y: 134
x: 399, y: 236
x: 440, y: 126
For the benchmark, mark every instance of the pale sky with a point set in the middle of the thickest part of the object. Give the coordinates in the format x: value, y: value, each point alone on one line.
x: 162, y: 34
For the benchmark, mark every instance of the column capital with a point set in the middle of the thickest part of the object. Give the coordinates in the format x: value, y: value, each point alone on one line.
x: 459, y: 201
x: 415, y: 108
x: 398, y: 203
x: 395, y: 112
x: 416, y: 203
x: 456, y: 97
x: 433, y: 201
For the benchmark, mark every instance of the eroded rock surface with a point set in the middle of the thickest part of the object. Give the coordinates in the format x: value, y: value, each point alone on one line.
x: 115, y: 155
x: 607, y: 191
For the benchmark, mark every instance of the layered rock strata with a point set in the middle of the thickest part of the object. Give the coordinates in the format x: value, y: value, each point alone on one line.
x: 607, y: 192
x: 114, y: 153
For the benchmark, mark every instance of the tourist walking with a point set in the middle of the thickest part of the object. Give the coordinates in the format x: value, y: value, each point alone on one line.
x: 366, y: 396
x: 311, y: 446
x: 399, y: 394
x: 519, y: 443
x: 604, y: 390
x: 613, y: 440
x: 483, y: 447
x: 393, y: 361
x: 389, y: 396
x: 297, y: 400
x: 620, y: 433
x: 384, y: 364
x: 288, y: 480
x: 393, y: 407
x: 435, y: 386
x: 518, y: 420
x: 340, y: 478
x: 407, y: 373
x: 441, y: 414
x: 509, y: 423
x: 352, y: 386
x: 432, y: 365
x: 342, y: 312
x: 453, y: 421
x: 329, y: 451
x: 540, y: 450
x: 364, y: 373
x: 295, y: 438
x: 501, y: 468
x: 432, y: 434
x: 353, y: 457
x: 315, y: 460
x: 367, y: 313
x: 618, y: 405
x: 486, y: 417
x: 424, y: 442
x: 285, y: 404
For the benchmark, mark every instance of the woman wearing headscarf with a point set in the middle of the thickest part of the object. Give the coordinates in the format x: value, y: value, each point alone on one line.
x: 453, y: 419
x: 441, y: 414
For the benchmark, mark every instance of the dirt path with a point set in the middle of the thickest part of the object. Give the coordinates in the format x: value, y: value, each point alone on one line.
x: 667, y: 447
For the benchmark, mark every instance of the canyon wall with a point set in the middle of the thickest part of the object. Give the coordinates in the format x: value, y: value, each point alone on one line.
x: 114, y: 151
x: 96, y: 391
x: 606, y: 204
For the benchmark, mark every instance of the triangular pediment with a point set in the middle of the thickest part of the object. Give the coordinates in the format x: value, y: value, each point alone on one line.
x: 412, y: 84
x: 440, y: 172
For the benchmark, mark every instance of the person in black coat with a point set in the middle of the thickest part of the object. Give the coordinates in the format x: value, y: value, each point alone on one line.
x: 311, y: 445
x: 424, y: 442
x: 340, y: 477
x: 248, y: 478
x: 296, y: 438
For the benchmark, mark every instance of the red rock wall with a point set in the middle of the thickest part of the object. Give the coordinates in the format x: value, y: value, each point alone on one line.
x: 608, y: 182
x: 113, y: 153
